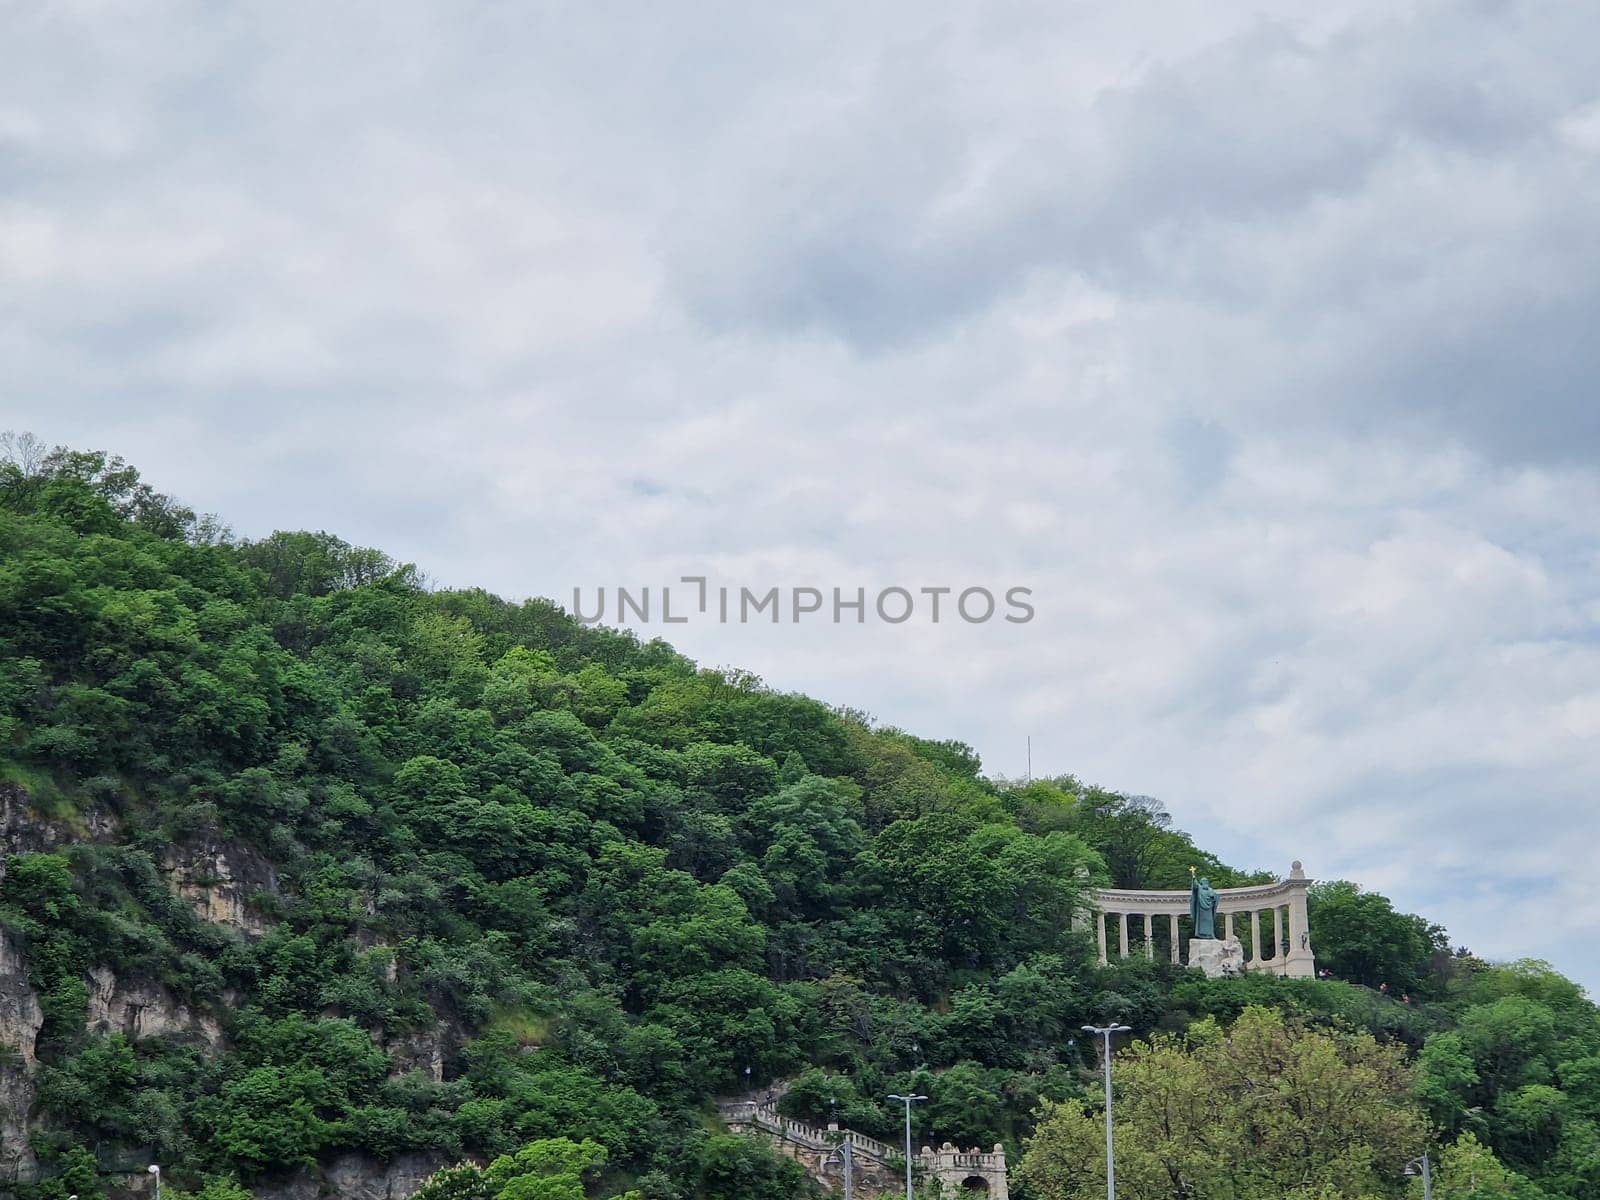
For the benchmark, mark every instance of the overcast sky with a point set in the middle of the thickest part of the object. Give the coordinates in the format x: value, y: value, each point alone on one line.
x: 1259, y: 341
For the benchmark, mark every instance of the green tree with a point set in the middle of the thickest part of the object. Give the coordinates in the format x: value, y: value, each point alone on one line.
x: 1467, y: 1170
x: 739, y: 1168
x: 1361, y: 938
x: 547, y: 1169
x: 1263, y: 1110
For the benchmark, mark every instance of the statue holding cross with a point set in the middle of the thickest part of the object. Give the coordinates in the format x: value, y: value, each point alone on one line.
x: 1202, y: 907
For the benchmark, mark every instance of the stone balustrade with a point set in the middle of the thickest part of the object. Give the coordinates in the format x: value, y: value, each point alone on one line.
x: 748, y: 1114
x: 980, y: 1160
x: 965, y: 1172
x: 957, y: 1170
x: 1279, y: 929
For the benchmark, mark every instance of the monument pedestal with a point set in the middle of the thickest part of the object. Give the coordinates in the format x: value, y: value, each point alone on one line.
x: 1300, y: 964
x: 1216, y: 957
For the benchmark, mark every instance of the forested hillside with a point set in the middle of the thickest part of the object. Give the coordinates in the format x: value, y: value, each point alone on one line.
x: 311, y: 868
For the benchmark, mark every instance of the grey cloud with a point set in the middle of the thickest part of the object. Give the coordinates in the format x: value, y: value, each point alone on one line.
x: 901, y: 212
x: 1256, y: 345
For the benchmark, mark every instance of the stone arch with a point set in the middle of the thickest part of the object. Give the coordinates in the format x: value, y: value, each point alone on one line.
x: 972, y: 1174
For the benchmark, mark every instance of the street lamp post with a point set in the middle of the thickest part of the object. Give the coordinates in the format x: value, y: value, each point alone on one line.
x: 844, y: 1152
x: 155, y: 1170
x: 1104, y: 1032
x: 908, y: 1101
x: 1421, y: 1166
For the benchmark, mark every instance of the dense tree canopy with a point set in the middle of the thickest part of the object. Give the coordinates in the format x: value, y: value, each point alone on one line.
x: 1360, y: 937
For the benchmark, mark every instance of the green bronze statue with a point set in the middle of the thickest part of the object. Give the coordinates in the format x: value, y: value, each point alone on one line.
x: 1202, y: 907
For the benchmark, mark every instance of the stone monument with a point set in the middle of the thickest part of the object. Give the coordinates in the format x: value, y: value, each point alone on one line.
x: 1215, y: 956
x: 1274, y: 914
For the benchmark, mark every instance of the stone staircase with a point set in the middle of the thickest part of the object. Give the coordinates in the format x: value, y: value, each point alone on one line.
x: 742, y: 1115
x: 879, y: 1166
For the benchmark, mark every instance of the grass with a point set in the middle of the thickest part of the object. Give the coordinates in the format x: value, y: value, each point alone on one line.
x: 527, y: 1028
x: 45, y: 796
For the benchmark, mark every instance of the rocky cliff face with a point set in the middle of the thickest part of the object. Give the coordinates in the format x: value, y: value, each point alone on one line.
x: 357, y: 1177
x: 21, y: 1017
x: 138, y: 1009
x: 20, y: 1014
x: 20, y: 1021
x: 226, y: 885
x: 223, y: 884
x: 130, y: 1007
x: 22, y: 830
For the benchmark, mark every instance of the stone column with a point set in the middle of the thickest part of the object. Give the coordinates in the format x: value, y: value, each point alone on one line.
x: 1100, y: 929
x: 1227, y: 924
x: 1122, y: 933
x: 1277, y: 934
x: 1173, y: 918
x: 1300, y: 963
x: 1150, y: 936
x: 1255, y: 937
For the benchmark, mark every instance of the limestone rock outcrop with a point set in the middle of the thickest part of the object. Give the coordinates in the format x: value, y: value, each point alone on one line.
x: 20, y: 1014
x: 222, y: 883
x: 20, y: 1021
x: 426, y: 1052
x: 357, y: 1177
x: 140, y: 1009
x: 24, y: 831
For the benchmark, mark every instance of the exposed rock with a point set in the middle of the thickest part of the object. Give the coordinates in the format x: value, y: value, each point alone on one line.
x: 370, y: 941
x: 25, y: 831
x: 425, y: 1052
x: 20, y: 1014
x: 138, y: 1009
x: 1217, y: 957
x: 20, y: 1021
x: 220, y: 884
x: 357, y: 1177
x: 360, y: 1178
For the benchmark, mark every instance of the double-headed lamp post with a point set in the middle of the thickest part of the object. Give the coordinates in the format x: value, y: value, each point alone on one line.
x: 908, y: 1101
x: 1104, y: 1032
x: 843, y: 1154
x: 1421, y: 1166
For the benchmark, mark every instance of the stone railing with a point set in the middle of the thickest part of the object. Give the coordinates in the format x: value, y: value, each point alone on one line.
x: 978, y: 1160
x: 954, y: 1168
x: 748, y: 1113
